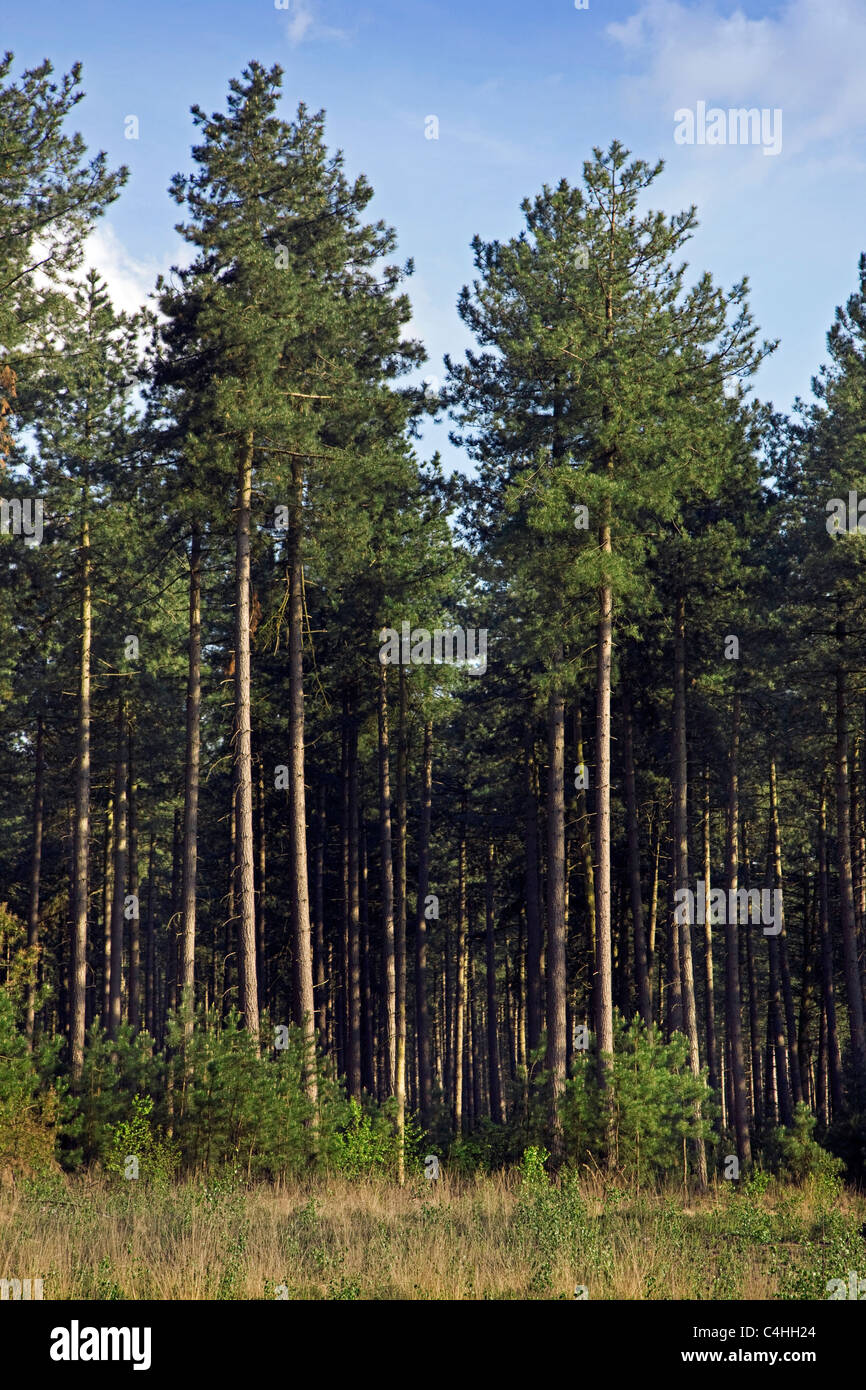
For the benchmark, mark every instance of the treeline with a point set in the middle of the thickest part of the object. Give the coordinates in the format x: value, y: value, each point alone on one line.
x: 619, y: 829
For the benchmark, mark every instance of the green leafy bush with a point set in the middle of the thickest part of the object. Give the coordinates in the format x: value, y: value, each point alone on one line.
x: 652, y: 1098
x: 157, y: 1157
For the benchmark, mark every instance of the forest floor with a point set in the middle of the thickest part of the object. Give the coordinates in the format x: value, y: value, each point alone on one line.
x: 487, y: 1237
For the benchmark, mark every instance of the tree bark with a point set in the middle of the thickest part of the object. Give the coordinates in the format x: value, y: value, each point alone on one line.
x: 81, y: 850
x: 389, y: 981
x: 302, y: 955
x: 556, y: 944
x: 533, y: 903
x: 120, y: 869
x: 497, y: 1112
x: 853, y: 985
x: 732, y: 951
x: 135, y: 919
x: 249, y: 1001
x: 828, y: 988
x: 400, y: 917
x: 422, y: 1009
x: 640, y: 953
x: 35, y: 875
x: 709, y: 983
x: 681, y: 865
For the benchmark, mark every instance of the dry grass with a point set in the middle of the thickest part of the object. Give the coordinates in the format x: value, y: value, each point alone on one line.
x: 488, y: 1238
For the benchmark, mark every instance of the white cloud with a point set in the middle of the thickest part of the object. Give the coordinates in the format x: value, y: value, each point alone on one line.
x: 807, y: 58
x: 303, y: 24
x: 130, y: 281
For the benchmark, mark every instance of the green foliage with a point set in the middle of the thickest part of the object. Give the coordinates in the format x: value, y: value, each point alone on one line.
x: 28, y: 1111
x: 367, y: 1143
x: 652, y: 1097
x: 158, y: 1157
x: 795, y: 1153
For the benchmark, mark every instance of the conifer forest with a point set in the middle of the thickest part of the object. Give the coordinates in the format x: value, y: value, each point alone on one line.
x: 432, y: 786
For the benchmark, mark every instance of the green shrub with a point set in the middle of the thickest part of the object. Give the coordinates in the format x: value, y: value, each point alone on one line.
x: 157, y: 1158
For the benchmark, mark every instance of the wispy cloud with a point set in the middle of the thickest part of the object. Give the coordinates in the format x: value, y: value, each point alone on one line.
x: 303, y: 23
x: 808, y: 58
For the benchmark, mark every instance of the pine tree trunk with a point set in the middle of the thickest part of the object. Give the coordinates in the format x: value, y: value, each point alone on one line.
x: 120, y: 870
x: 368, y: 1070
x: 319, y: 953
x: 400, y: 919
x: 640, y: 953
x: 556, y: 944
x: 533, y: 903
x: 135, y: 919
x: 261, y: 888
x: 422, y: 1009
x: 654, y: 906
x: 497, y: 1113
x: 828, y: 988
x: 709, y: 983
x: 732, y: 951
x: 35, y: 874
x: 681, y: 866
x: 353, y: 1053
x: 150, y: 949
x: 460, y: 976
x: 807, y: 999
x: 249, y: 1002
x: 389, y: 978
x: 846, y: 889
x: 107, y: 899
x: 584, y: 839
x: 754, y: 1020
x: 81, y: 851
x: 302, y: 955
x: 782, y: 941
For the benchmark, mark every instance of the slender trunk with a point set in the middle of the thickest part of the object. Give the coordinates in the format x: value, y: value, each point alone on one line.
x: 732, y: 951
x: 302, y: 954
x: 367, y: 1007
x: 497, y: 1113
x: 190, y: 812
x: 319, y: 954
x: 107, y: 899
x: 782, y: 941
x: 389, y: 979
x: 400, y: 918
x: 640, y: 953
x: 681, y: 866
x: 654, y: 901
x: 353, y: 1050
x: 249, y: 1001
x: 712, y: 1046
x: 135, y: 918
x: 584, y: 840
x: 460, y: 976
x: 846, y: 889
x: 807, y: 998
x: 828, y: 988
x: 150, y: 948
x: 422, y: 1010
x: 533, y: 904
x: 556, y: 948
x: 120, y: 868
x: 35, y: 872
x: 81, y: 850
x: 751, y: 984
x: 262, y: 890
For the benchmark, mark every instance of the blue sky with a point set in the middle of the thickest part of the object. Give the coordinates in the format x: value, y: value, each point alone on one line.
x: 522, y: 92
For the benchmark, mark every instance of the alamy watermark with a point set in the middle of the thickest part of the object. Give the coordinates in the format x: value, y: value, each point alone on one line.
x: 738, y: 126
x: 22, y: 518
x: 456, y: 646
x: 738, y: 905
